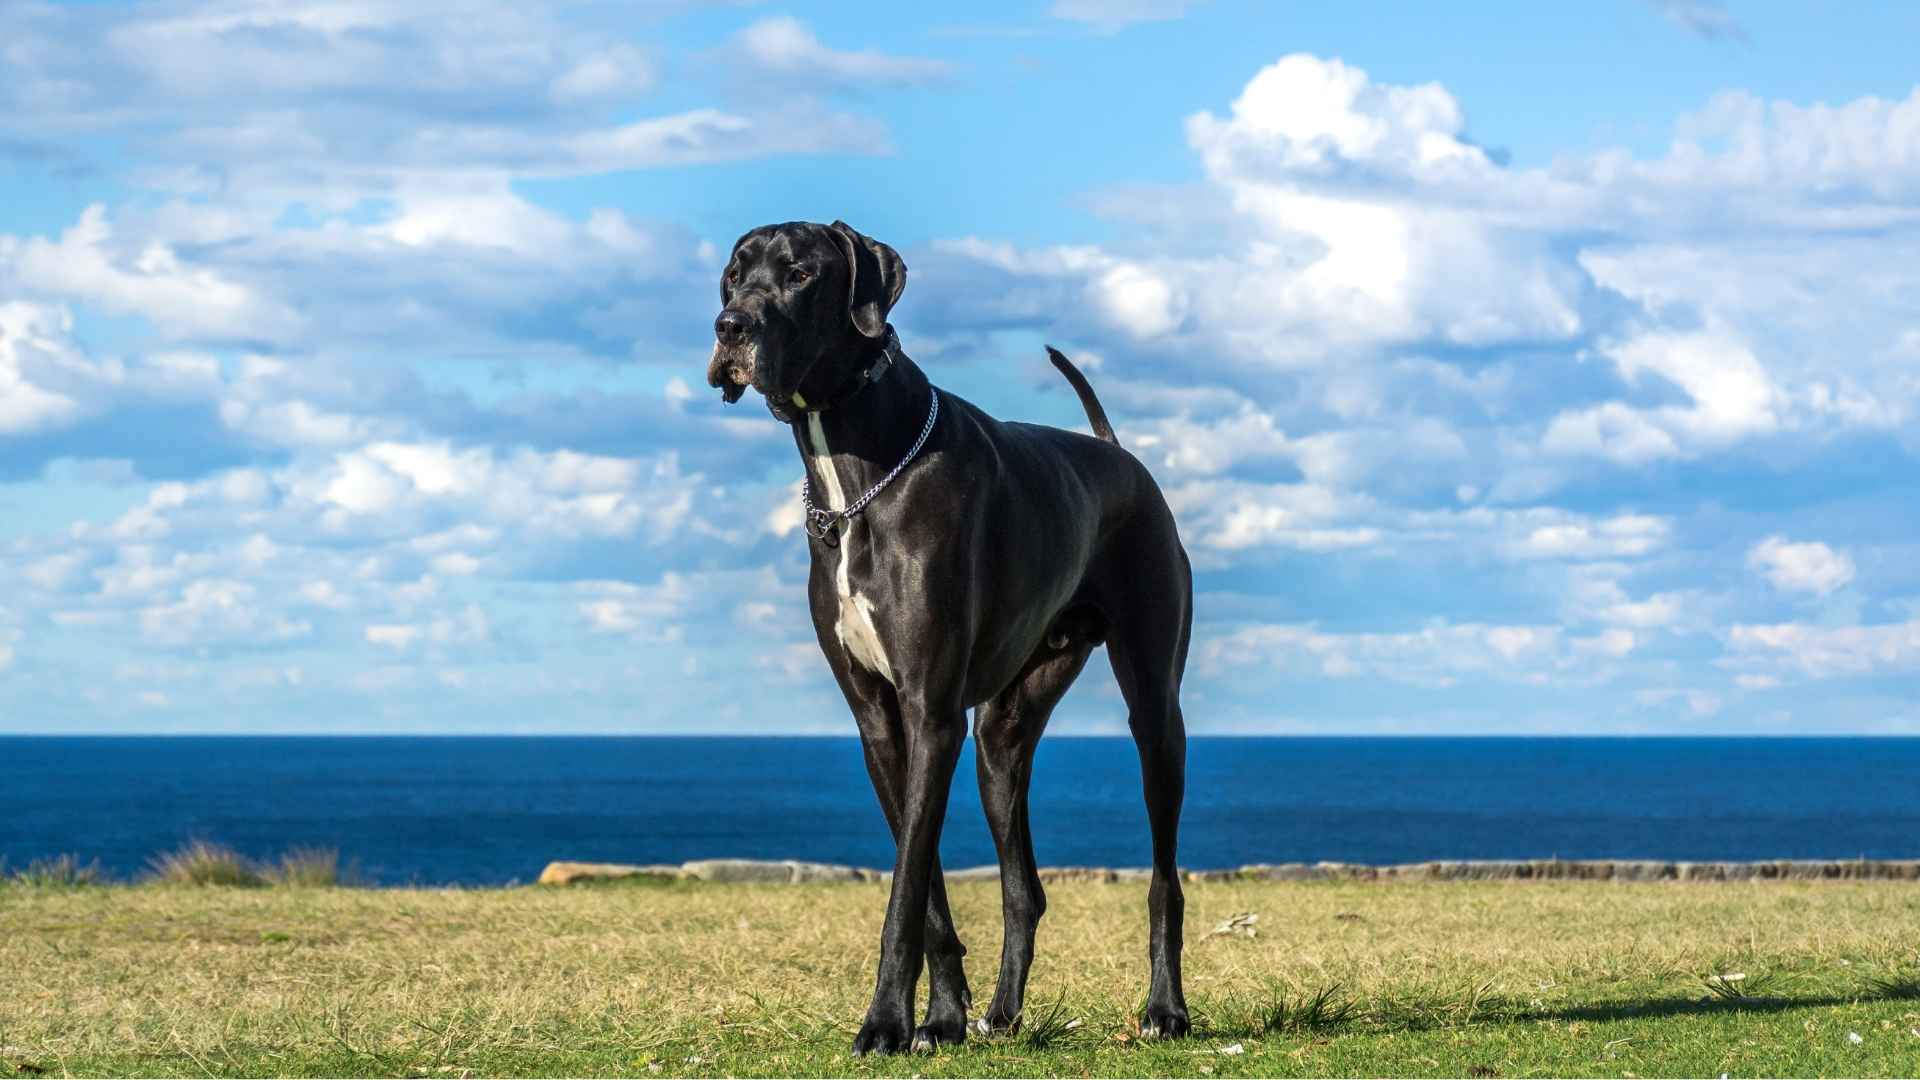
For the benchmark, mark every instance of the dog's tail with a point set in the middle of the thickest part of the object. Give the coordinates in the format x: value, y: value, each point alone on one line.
x: 1095, y: 414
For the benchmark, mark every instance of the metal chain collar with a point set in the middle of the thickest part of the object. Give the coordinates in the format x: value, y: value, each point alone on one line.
x: 820, y: 521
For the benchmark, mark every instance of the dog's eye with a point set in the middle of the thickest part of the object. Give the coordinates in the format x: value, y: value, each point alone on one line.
x: 797, y: 275
x: 733, y: 275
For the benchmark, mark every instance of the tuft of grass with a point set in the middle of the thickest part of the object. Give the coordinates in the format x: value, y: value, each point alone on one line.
x: 202, y: 862
x: 60, y: 872
x: 1738, y: 988
x: 1325, y: 1008
x: 1899, y: 986
x: 312, y: 868
x: 1045, y: 1030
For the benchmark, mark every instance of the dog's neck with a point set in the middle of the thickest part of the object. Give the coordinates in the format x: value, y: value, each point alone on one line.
x: 851, y: 446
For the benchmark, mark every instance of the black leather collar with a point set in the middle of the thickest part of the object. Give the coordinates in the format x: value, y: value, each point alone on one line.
x: 861, y: 379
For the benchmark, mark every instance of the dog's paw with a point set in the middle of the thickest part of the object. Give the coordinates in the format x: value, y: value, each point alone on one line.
x: 881, y: 1035
x: 996, y: 1023
x: 931, y: 1036
x: 1165, y: 1022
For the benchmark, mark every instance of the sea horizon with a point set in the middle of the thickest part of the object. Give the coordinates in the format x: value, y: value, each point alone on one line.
x: 470, y: 809
x: 854, y: 735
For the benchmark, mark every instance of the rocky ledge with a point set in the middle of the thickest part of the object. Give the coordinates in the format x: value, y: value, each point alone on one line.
x: 790, y: 872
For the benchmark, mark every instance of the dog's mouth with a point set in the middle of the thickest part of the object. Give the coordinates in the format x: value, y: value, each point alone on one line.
x: 731, y: 369
x: 734, y: 368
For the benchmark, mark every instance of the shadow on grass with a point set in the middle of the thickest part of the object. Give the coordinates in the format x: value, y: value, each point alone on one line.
x: 1475, y: 1009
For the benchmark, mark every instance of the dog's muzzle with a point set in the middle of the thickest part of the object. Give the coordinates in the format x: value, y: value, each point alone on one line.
x: 732, y: 368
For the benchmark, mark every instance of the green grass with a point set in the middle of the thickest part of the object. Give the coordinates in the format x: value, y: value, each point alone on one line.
x: 1484, y: 979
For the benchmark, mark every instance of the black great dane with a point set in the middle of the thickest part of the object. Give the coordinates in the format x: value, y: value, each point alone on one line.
x: 960, y: 562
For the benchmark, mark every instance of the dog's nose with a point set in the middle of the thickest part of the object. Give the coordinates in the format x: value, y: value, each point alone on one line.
x: 732, y: 327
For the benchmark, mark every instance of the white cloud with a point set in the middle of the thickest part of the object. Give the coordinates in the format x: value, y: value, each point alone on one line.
x: 217, y: 610
x: 783, y: 46
x: 1656, y: 611
x: 1614, y: 643
x: 1767, y: 260
x: 1730, y: 397
x: 49, y: 382
x: 661, y: 612
x: 1622, y: 536
x: 181, y: 299
x: 1221, y: 517
x: 561, y: 493
x: 1824, y: 652
x: 1810, y: 567
x: 1437, y: 655
x: 327, y: 103
x: 619, y: 71
x: 276, y: 558
x: 34, y: 347
x: 646, y: 612
x: 1208, y: 447
x: 466, y: 626
x: 1303, y: 114
x: 398, y: 637
x: 788, y: 514
x: 1233, y: 516
x: 1330, y: 240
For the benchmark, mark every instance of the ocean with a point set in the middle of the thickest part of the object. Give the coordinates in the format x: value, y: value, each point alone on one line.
x: 488, y: 811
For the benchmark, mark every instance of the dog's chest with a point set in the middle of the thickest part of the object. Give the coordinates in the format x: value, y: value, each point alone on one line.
x: 854, y: 626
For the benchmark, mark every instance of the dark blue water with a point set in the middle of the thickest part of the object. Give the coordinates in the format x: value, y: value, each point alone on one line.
x: 492, y: 810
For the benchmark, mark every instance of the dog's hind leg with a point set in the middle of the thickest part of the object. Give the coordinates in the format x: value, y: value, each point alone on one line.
x: 1148, y: 648
x: 1005, y: 732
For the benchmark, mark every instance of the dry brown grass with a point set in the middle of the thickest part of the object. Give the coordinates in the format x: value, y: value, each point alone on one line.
x: 689, y: 978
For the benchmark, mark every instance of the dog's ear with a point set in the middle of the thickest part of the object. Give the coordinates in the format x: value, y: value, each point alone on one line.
x: 876, y: 275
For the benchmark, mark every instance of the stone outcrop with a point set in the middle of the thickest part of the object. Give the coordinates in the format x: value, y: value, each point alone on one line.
x: 566, y: 873
x: 1583, y: 870
x: 789, y: 871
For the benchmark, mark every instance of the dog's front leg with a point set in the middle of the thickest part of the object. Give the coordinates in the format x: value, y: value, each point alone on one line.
x: 883, y: 741
x: 933, y: 738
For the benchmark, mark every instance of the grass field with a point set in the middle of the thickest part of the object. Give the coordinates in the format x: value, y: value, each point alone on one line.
x: 1481, y: 979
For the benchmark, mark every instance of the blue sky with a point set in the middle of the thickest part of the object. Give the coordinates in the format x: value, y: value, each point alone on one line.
x: 1516, y: 368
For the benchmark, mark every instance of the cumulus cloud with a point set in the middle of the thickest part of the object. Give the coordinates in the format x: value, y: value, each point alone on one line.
x: 1347, y: 222
x: 1810, y: 567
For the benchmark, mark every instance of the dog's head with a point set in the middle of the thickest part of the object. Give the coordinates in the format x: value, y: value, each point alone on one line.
x: 803, y: 307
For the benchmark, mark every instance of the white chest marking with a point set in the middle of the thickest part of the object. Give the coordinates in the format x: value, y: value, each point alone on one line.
x: 854, y: 627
